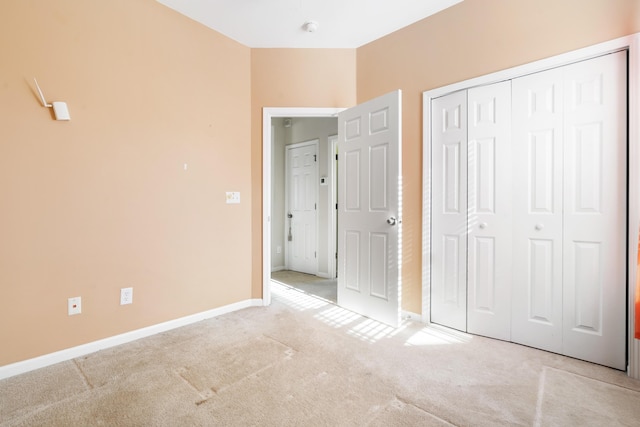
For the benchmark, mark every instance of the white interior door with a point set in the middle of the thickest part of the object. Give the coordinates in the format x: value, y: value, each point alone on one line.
x: 595, y: 209
x: 570, y: 209
x: 369, y: 208
x: 301, y: 229
x: 489, y: 211
x: 449, y: 211
x: 471, y: 211
x: 537, y: 207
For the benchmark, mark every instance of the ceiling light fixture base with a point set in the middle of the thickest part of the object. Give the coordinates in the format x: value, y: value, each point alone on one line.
x: 310, y: 26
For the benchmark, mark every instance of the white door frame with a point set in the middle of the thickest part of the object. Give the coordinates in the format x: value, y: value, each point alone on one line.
x: 632, y: 45
x: 333, y: 211
x: 269, y: 113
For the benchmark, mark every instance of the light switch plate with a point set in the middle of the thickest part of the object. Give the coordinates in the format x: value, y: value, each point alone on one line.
x: 233, y: 197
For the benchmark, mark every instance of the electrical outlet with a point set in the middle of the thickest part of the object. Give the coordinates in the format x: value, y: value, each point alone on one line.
x: 74, y: 305
x: 126, y: 296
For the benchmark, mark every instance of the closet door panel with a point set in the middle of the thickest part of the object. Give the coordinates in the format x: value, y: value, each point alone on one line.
x: 449, y: 211
x: 489, y: 211
x: 595, y: 206
x: 536, y: 318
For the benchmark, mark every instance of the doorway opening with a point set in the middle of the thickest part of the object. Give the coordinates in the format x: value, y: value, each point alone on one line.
x: 281, y: 128
x: 370, y: 255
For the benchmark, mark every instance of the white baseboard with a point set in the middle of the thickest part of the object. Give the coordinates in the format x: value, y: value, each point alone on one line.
x: 24, y: 366
x: 279, y: 268
x: 412, y: 316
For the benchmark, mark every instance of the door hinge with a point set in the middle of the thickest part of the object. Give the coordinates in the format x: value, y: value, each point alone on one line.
x: 315, y: 254
x: 336, y: 157
x: 315, y: 206
x: 336, y: 206
x: 315, y: 157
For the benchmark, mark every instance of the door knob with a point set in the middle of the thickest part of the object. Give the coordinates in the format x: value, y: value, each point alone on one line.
x: 392, y: 220
x: 539, y: 227
x: 483, y: 225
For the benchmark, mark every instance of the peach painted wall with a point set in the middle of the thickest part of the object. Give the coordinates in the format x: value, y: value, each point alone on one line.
x: 292, y: 78
x: 471, y: 39
x: 103, y: 201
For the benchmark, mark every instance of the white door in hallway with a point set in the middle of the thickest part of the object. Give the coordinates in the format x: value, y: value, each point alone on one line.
x: 369, y: 208
x: 301, y: 228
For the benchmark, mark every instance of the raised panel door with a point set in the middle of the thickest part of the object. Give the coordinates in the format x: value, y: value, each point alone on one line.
x: 537, y: 210
x: 595, y: 207
x: 302, y: 198
x: 449, y: 211
x: 370, y: 209
x: 489, y: 211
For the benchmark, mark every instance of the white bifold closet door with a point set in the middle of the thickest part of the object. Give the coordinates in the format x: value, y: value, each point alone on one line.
x: 489, y: 253
x: 449, y: 211
x: 570, y: 206
x: 471, y: 210
x: 529, y: 210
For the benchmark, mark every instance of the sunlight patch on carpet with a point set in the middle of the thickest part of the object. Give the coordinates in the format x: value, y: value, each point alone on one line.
x: 337, y: 317
x: 437, y: 335
x: 296, y: 299
x: 372, y: 331
x: 361, y: 327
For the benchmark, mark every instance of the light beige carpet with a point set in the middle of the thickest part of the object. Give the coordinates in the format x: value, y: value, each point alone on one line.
x: 305, y: 362
x: 312, y: 285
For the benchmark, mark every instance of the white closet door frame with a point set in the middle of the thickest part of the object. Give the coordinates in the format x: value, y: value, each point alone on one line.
x: 632, y: 45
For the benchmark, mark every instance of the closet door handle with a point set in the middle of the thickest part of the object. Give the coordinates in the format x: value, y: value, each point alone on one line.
x: 482, y: 225
x: 539, y: 227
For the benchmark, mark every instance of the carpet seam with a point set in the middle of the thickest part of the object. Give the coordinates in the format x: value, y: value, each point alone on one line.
x: 415, y: 405
x: 84, y: 377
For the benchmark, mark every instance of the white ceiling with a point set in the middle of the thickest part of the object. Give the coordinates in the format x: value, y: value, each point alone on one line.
x: 278, y: 23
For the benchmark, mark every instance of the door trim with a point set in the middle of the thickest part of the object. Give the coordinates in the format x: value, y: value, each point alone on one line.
x: 269, y: 113
x: 333, y: 210
x: 629, y: 43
